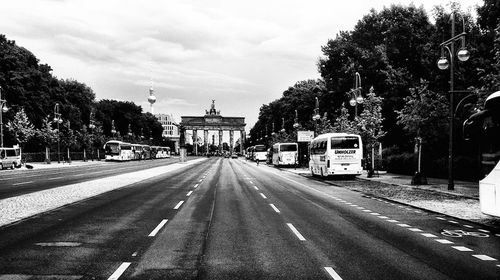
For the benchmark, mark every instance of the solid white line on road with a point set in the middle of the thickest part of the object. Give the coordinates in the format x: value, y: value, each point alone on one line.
x: 55, y: 178
x: 158, y: 227
x: 189, y: 193
x: 119, y: 271
x: 255, y: 187
x: 23, y: 183
x: 332, y: 273
x: 275, y: 209
x: 296, y: 232
x: 195, y: 186
x: 429, y: 235
x: 461, y: 248
x: 263, y: 196
x: 444, y: 241
x: 178, y: 205
x: 415, y: 229
x: 484, y: 257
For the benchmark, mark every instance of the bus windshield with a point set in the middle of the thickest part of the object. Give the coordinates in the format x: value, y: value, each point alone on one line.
x: 288, y: 147
x: 260, y: 148
x: 112, y: 148
x: 346, y: 142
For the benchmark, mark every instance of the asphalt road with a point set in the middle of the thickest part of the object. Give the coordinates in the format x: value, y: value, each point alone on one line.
x: 232, y: 219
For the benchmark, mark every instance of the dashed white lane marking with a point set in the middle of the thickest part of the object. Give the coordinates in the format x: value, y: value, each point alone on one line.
x: 195, y: 186
x: 201, y: 180
x: 360, y: 208
x: 383, y: 217
x: 255, y: 187
x: 444, y: 241
x: 178, y: 205
x: 23, y: 183
x: 467, y: 226
x: 251, y: 182
x: 483, y: 230
x: 275, y: 209
x: 158, y: 227
x: 119, y: 271
x: 484, y: 257
x: 404, y: 225
x: 453, y: 222
x: 393, y: 221
x: 415, y: 229
x: 189, y: 193
x: 134, y: 254
x: 366, y: 210
x: 296, y: 232
x: 440, y: 218
x: 497, y: 234
x: 429, y: 235
x: 332, y: 273
x: 462, y: 248
x: 263, y: 196
x: 375, y: 214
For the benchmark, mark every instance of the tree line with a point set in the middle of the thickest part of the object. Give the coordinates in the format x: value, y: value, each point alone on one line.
x: 32, y: 92
x: 395, y: 51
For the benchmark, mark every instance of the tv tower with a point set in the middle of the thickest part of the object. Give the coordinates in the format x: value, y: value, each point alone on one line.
x: 152, y: 97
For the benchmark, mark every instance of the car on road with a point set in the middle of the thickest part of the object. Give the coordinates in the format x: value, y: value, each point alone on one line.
x: 234, y: 155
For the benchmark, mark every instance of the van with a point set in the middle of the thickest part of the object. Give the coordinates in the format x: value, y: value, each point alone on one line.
x: 10, y: 158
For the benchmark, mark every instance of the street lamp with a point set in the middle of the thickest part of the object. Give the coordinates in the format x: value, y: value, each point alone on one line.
x: 282, y: 125
x: 355, y: 94
x: 91, y: 127
x: 273, y: 133
x: 113, y: 129
x: 462, y: 55
x: 3, y: 109
x: 316, y: 115
x: 58, y: 120
x: 129, y: 131
x: 296, y: 120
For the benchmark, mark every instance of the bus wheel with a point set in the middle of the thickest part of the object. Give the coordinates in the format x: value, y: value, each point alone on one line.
x: 312, y: 172
x: 321, y: 173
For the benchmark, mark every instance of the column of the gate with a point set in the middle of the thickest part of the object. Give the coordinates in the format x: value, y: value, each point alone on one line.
x: 195, y: 141
x: 205, y: 139
x: 231, y: 140
x: 242, y: 141
x: 220, y: 140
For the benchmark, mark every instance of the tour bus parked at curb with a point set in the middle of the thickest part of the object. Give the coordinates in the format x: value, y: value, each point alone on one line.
x: 118, y: 150
x: 259, y: 153
x: 10, y: 157
x: 284, y: 154
x: 336, y: 154
x: 484, y: 128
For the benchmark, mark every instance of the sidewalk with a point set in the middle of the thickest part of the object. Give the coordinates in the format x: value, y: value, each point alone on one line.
x: 462, y: 202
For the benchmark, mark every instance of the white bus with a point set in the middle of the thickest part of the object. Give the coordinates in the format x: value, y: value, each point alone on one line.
x: 336, y: 154
x: 484, y: 128
x: 118, y: 150
x: 259, y: 153
x: 10, y: 157
x: 285, y: 154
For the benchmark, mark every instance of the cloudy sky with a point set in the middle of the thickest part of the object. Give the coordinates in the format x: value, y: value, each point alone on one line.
x: 241, y: 53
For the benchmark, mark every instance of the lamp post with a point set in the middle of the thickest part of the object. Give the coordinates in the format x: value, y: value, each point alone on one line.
x: 91, y: 127
x: 463, y: 55
x: 296, y: 124
x: 355, y: 94
x: 282, y: 125
x: 113, y: 129
x: 316, y: 116
x: 3, y: 109
x: 273, y: 133
x: 58, y: 120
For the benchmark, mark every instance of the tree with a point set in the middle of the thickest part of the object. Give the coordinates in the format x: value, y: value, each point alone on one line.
x: 370, y: 120
x: 21, y: 128
x: 343, y: 123
x: 46, y: 135
x: 324, y: 125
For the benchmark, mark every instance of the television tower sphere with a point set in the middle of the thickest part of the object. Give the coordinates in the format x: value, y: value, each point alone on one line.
x: 152, y: 97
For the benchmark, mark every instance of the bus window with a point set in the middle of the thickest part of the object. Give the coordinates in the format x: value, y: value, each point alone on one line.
x: 348, y: 142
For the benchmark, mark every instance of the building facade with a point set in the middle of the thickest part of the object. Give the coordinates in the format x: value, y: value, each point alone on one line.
x: 170, y: 129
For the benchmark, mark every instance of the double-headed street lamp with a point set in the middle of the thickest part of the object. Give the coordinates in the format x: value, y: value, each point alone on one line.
x: 113, y: 129
x: 58, y: 120
x: 355, y: 94
x: 463, y: 55
x: 296, y: 120
x: 3, y: 109
x: 282, y: 125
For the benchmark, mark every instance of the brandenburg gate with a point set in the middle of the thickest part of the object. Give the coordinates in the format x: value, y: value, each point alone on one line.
x: 214, y: 121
